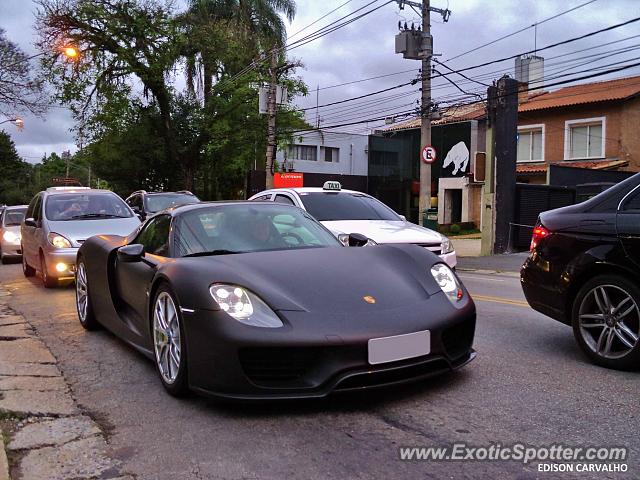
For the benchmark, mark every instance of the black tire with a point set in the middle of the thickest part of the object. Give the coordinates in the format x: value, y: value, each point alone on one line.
x: 26, y: 269
x: 3, y: 259
x: 47, y: 280
x: 179, y: 387
x: 594, y: 340
x: 88, y: 321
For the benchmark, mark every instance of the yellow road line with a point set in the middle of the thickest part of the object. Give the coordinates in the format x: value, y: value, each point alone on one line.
x: 505, y: 301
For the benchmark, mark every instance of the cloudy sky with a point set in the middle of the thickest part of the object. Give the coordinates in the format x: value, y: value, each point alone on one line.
x: 365, y: 49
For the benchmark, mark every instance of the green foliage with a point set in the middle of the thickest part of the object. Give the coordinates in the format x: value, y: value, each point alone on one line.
x: 455, y: 228
x: 204, y: 137
x: 15, y: 174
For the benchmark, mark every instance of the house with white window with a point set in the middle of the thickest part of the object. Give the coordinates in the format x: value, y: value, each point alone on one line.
x: 593, y: 125
x: 326, y: 152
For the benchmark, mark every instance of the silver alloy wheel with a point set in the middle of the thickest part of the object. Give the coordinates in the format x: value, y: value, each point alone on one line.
x: 82, y: 292
x: 609, y: 321
x: 166, y: 337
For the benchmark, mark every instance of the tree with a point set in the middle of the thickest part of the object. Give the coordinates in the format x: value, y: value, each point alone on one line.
x: 19, y: 90
x: 15, y: 174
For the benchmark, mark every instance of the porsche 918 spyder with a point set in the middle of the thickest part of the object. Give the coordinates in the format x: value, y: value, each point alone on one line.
x: 256, y: 300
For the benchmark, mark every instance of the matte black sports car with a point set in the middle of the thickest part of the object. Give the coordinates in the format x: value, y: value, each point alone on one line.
x: 259, y: 300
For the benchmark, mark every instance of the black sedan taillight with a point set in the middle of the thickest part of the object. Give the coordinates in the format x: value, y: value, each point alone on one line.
x: 539, y: 232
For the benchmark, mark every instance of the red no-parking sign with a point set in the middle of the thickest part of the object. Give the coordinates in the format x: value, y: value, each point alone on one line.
x: 428, y: 154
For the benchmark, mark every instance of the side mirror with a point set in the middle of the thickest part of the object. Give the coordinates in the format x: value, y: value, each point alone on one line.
x: 357, y: 240
x: 131, y: 253
x: 30, y: 222
x: 404, y: 219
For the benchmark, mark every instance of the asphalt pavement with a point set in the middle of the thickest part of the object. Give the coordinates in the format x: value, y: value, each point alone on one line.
x: 529, y: 383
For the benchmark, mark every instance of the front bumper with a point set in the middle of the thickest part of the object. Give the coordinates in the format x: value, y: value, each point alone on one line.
x: 230, y: 360
x: 61, y: 256
x: 10, y: 249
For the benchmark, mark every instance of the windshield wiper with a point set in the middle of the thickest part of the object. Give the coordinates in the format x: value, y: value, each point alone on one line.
x: 94, y: 215
x: 212, y: 253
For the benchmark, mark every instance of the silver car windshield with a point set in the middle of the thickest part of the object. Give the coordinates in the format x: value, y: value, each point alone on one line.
x: 242, y: 228
x: 85, y: 206
x: 13, y: 217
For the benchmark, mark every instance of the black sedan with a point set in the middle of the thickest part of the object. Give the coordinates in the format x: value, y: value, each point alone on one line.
x: 584, y: 270
x: 259, y: 300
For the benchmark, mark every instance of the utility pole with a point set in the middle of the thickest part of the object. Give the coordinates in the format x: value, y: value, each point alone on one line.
x: 271, y: 118
x: 318, y: 106
x: 425, y: 108
x: 418, y: 45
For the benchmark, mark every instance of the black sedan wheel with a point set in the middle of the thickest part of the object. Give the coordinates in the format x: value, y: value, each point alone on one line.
x: 83, y: 302
x: 169, y: 342
x: 606, y: 321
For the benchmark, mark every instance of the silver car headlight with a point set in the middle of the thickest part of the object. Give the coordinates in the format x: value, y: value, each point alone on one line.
x: 58, y: 241
x: 244, y: 306
x: 344, y: 240
x: 446, y: 246
x: 447, y: 281
x: 10, y: 237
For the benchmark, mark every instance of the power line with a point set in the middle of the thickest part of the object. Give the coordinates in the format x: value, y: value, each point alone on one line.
x: 521, y: 30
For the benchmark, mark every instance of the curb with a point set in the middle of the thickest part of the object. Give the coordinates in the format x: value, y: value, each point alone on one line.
x: 4, y: 463
x: 46, y: 434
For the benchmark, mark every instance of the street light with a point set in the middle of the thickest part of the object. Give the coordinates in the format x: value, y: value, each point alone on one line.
x: 18, y: 121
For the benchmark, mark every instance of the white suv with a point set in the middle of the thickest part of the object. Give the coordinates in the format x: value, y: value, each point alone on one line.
x: 347, y: 211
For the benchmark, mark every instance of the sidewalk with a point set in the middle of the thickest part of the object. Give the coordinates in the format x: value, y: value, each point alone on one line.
x: 43, y: 433
x: 510, y: 263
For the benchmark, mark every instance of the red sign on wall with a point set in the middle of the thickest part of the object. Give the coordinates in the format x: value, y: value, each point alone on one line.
x: 288, y: 180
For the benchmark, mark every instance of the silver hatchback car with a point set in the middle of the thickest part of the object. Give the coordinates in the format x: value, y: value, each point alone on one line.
x: 60, y: 219
x: 10, y: 220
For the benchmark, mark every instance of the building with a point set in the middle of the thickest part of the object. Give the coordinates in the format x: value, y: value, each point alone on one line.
x: 593, y: 126
x: 327, y: 155
x: 394, y: 165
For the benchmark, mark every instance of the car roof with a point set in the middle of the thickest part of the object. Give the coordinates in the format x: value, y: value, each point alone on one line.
x: 78, y: 190
x: 309, y: 190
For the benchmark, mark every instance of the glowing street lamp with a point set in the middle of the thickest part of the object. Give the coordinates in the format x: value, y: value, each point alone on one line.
x: 70, y: 52
x: 17, y: 121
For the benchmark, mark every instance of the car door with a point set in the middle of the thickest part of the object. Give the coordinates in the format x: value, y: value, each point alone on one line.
x: 628, y: 224
x: 134, y: 278
x: 29, y: 242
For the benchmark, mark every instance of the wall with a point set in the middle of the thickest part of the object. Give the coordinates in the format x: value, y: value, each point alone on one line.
x: 353, y: 159
x: 554, y: 121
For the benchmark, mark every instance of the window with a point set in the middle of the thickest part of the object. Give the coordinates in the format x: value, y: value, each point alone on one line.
x: 13, y: 217
x: 346, y: 206
x: 584, y: 138
x: 330, y: 154
x: 531, y: 143
x: 302, y: 152
x: 632, y: 202
x: 37, y: 209
x: 157, y: 202
x: 155, y: 236
x: 262, y: 198
x: 284, y: 199
x: 32, y: 206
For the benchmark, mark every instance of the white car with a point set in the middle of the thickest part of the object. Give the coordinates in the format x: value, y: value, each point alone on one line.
x: 347, y: 211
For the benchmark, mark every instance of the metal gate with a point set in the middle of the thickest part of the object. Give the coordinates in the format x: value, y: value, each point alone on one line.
x: 531, y: 200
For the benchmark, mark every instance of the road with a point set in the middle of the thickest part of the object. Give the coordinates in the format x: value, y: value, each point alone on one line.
x: 529, y: 384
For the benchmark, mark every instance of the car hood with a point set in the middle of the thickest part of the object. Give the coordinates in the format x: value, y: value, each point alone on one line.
x: 332, y: 280
x: 386, y: 231
x: 77, y: 231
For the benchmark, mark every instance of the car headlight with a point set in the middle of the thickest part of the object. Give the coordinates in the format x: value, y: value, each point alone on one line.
x: 447, y: 281
x: 10, y: 236
x: 446, y: 246
x: 244, y: 306
x: 58, y: 240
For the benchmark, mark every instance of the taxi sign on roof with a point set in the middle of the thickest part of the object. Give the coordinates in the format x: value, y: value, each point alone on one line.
x: 331, y: 185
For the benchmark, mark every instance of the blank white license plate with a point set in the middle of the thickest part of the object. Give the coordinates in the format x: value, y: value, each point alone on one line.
x: 399, y: 347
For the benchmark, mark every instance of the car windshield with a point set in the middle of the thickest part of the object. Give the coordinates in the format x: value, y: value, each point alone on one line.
x: 157, y: 202
x: 242, y: 228
x: 85, y: 206
x: 325, y: 206
x: 13, y: 217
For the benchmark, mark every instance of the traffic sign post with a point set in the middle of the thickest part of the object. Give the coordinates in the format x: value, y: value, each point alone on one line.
x: 428, y: 154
